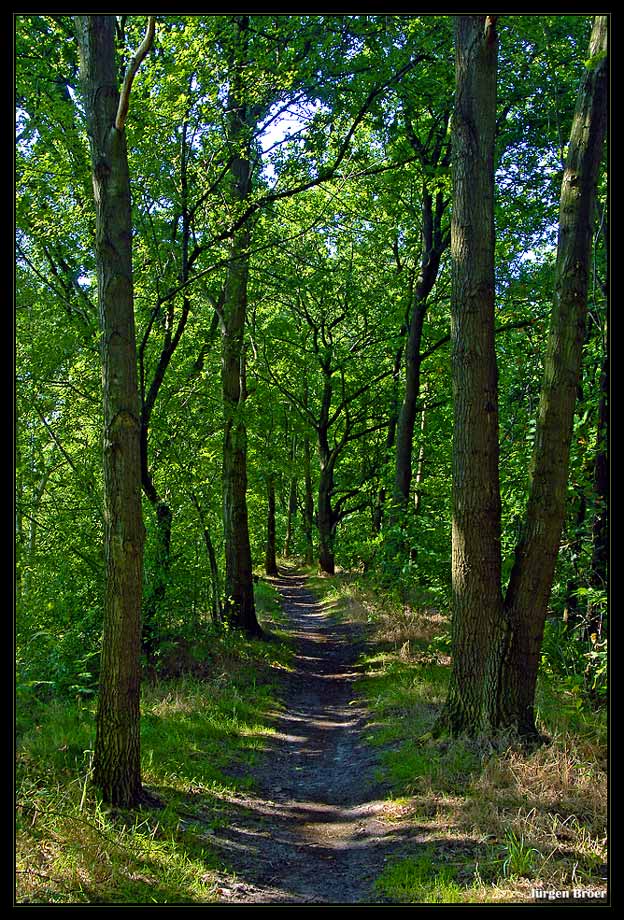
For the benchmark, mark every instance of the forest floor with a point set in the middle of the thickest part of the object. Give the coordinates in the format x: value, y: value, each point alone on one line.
x: 313, y: 831
x: 303, y: 770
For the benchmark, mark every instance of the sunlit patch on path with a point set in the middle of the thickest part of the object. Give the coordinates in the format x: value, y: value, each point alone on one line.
x: 315, y: 831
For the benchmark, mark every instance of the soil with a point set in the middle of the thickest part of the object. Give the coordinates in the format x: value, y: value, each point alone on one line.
x: 313, y: 831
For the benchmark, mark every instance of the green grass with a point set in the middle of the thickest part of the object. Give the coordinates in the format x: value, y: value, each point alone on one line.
x: 494, y: 821
x: 418, y: 880
x: 201, y: 733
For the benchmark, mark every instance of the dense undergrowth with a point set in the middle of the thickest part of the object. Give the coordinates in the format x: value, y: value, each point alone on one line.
x: 206, y: 718
x: 496, y: 821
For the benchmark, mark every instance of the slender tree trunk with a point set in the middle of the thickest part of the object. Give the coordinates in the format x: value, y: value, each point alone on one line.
x: 407, y: 415
x: 325, y: 516
x: 420, y: 465
x: 378, y: 510
x: 325, y: 520
x: 433, y: 244
x: 215, y: 588
x: 290, y: 513
x: 116, y: 762
x: 239, y: 605
x: 270, y: 563
x: 157, y: 589
x: 532, y: 575
x: 308, y: 506
x: 476, y: 556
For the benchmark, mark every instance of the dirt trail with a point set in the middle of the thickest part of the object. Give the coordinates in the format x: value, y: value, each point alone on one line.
x: 314, y: 831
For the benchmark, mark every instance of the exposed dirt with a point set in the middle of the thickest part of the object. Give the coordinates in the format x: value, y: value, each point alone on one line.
x: 314, y: 832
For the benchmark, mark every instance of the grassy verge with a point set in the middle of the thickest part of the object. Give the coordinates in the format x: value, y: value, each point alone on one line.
x: 495, y: 822
x: 202, y: 729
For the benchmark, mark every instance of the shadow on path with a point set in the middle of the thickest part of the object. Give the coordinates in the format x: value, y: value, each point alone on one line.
x: 314, y: 831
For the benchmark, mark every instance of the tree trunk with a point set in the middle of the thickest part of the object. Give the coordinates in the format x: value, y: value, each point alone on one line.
x: 308, y: 506
x: 325, y: 516
x: 476, y: 556
x: 239, y: 605
x: 215, y: 590
x: 432, y: 246
x: 378, y: 510
x: 420, y: 466
x: 116, y: 764
x: 532, y: 575
x: 270, y: 563
x: 290, y: 513
x: 154, y: 601
x: 407, y: 415
x: 325, y: 520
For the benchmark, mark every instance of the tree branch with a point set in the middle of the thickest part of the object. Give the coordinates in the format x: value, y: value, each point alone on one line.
x: 135, y: 63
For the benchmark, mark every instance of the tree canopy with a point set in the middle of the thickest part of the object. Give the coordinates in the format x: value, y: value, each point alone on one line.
x: 291, y: 192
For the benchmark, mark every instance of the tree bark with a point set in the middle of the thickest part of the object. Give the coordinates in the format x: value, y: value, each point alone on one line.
x: 531, y: 579
x: 239, y: 604
x: 325, y: 517
x: 476, y: 556
x: 290, y: 514
x: 270, y: 562
x: 325, y: 520
x: 154, y: 601
x: 116, y: 765
x: 215, y: 590
x: 308, y: 506
x: 433, y: 245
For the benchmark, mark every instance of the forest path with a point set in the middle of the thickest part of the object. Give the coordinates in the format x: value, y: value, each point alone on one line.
x: 314, y: 832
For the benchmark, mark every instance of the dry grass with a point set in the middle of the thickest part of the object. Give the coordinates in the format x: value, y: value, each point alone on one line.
x: 514, y: 820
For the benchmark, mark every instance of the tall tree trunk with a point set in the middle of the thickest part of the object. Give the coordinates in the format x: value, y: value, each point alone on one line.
x: 215, y: 590
x: 378, y: 509
x: 476, y: 556
x: 270, y: 563
x: 157, y: 589
x: 420, y: 465
x: 407, y: 415
x: 325, y: 516
x: 239, y: 605
x: 308, y: 505
x: 532, y: 575
x: 433, y: 244
x: 325, y: 520
x: 116, y: 762
x: 290, y: 513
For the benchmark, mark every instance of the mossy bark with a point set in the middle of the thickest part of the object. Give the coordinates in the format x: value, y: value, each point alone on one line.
x: 526, y: 602
x: 116, y: 765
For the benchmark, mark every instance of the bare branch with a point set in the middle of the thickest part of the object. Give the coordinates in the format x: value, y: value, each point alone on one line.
x: 135, y: 63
